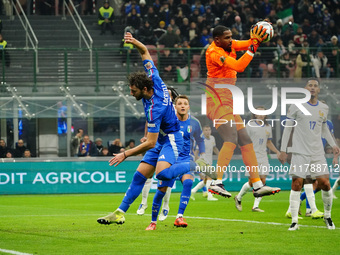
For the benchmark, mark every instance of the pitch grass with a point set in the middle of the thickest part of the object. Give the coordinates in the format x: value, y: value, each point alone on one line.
x: 66, y: 224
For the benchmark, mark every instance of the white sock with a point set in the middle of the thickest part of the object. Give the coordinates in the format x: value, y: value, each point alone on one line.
x: 336, y: 185
x: 146, y: 190
x: 198, y: 186
x: 327, y: 199
x: 257, y: 185
x: 243, y: 191
x: 208, y: 184
x: 218, y: 182
x: 294, y: 205
x: 179, y: 216
x: 257, y: 201
x: 310, y: 196
x: 166, y: 199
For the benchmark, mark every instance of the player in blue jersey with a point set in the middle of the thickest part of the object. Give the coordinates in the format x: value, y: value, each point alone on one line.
x: 164, y: 142
x: 191, y: 131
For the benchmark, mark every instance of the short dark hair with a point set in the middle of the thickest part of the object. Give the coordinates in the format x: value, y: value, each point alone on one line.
x: 78, y: 130
x: 219, y: 30
x: 140, y: 80
x: 181, y: 97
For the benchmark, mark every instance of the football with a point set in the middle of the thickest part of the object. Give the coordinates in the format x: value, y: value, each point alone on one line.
x: 269, y: 31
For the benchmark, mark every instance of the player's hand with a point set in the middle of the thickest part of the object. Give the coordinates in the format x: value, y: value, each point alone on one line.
x: 143, y: 139
x: 283, y: 157
x: 253, y: 47
x: 258, y: 34
x: 117, y: 159
x: 128, y: 38
x: 336, y: 152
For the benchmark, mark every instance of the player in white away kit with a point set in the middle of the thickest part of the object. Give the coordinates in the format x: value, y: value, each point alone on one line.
x: 210, y: 148
x: 260, y: 132
x: 308, y: 156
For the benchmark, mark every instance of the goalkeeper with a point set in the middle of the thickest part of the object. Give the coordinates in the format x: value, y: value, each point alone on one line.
x: 222, y: 69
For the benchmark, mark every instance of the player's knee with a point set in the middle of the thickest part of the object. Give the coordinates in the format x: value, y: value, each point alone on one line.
x: 187, y: 183
x: 163, y: 189
x: 164, y: 175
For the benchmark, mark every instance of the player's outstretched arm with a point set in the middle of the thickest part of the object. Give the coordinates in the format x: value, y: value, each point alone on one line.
x: 143, y: 147
x: 143, y: 51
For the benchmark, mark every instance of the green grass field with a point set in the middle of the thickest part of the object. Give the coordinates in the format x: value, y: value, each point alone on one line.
x: 66, y: 224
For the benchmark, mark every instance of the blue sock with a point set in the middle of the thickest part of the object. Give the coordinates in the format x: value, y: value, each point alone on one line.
x: 204, y: 189
x: 174, y: 171
x: 303, y: 196
x: 185, y: 196
x: 307, y: 204
x: 156, y: 204
x: 133, y: 191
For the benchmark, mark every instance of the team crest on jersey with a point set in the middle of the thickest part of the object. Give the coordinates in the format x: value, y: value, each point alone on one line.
x: 148, y: 65
x: 321, y: 113
x: 189, y: 129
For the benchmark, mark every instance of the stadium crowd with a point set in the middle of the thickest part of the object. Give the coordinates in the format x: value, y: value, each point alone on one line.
x: 306, y: 38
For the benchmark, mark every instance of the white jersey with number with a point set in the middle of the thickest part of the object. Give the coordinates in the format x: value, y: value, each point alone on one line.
x: 307, y: 132
x: 209, y: 149
x: 259, y: 135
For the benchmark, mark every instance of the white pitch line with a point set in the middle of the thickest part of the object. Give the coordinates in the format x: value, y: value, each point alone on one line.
x: 173, y: 216
x: 14, y: 252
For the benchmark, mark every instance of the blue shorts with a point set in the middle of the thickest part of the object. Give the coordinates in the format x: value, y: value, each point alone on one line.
x: 168, y: 150
x: 171, y: 183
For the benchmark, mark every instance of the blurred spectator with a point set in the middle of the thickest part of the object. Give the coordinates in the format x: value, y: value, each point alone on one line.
x: 19, y: 149
x: 146, y: 34
x: 116, y: 147
x: 285, y: 65
x: 287, y: 36
x: 313, y: 38
x: 204, y: 40
x: 185, y: 8
x: 194, y: 16
x: 291, y: 26
x: 321, y: 66
x: 201, y: 24
x: 134, y: 20
x: 181, y: 63
x: 75, y: 142
x: 106, y: 17
x: 6, y: 56
x: 332, y: 28
x: 167, y: 66
x: 152, y: 17
x: 185, y: 29
x: 156, y: 6
x: 238, y: 25
x: 326, y: 18
x: 217, y: 22
x: 280, y: 48
x: 209, y: 17
x: 235, y: 34
x: 62, y: 118
x: 170, y: 38
x: 299, y: 37
x: 333, y: 62
x: 130, y: 6
x: 87, y: 148
x: 278, y: 27
x: 9, y: 154
x: 306, y: 27
x: 99, y: 146
x: 179, y: 17
x: 173, y: 24
x: 105, y: 152
x: 27, y: 153
x: 194, y: 35
x: 127, y: 50
x: 303, y: 64
x: 265, y: 9
x: 303, y: 7
x: 336, y: 17
x: 278, y: 6
x: 160, y: 30
x: 3, y: 148
x: 130, y: 144
x: 272, y: 17
x: 228, y: 17
x: 203, y: 64
x: 319, y: 7
x: 198, y: 6
x: 165, y: 13
x: 143, y: 8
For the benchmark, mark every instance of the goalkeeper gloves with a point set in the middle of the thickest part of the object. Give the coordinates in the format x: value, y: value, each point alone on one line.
x: 258, y: 34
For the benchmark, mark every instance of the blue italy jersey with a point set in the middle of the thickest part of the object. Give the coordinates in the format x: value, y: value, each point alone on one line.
x: 331, y: 128
x: 159, y: 111
x: 191, y: 130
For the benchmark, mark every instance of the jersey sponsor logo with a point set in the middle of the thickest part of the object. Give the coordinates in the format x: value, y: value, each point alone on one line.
x: 148, y: 65
x: 151, y: 125
x: 161, y: 157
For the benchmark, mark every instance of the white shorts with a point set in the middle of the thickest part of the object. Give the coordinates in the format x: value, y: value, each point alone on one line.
x: 263, y: 166
x: 303, y: 166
